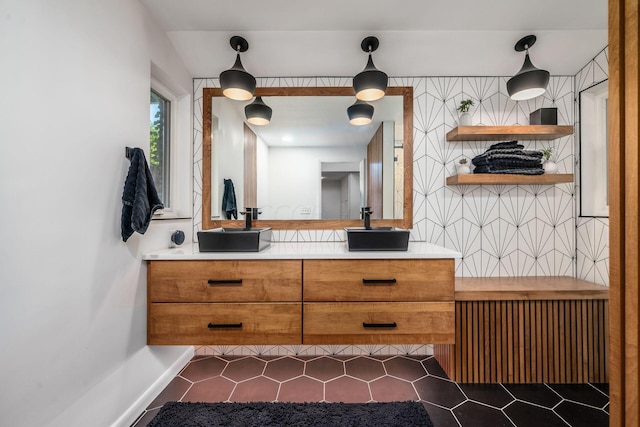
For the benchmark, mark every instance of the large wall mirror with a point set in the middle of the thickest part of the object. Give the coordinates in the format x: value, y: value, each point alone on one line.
x: 594, y: 149
x: 308, y: 168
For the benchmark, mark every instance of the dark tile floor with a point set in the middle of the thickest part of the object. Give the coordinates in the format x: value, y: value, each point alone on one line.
x: 381, y: 379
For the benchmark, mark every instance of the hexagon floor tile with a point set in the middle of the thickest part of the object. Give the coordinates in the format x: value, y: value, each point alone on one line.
x: 383, y: 379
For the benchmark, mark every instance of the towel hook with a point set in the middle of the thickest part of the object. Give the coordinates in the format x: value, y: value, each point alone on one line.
x: 128, y: 152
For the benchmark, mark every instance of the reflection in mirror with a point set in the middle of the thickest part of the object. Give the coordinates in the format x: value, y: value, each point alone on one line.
x: 309, y: 168
x: 594, y: 149
x: 279, y: 167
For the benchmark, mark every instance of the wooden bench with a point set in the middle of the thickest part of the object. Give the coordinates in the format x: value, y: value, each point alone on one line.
x: 528, y: 330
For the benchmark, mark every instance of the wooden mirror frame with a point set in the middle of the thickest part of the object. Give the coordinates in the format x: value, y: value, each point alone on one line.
x: 310, y: 224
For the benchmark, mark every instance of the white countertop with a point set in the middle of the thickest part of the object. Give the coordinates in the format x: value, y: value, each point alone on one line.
x: 305, y: 250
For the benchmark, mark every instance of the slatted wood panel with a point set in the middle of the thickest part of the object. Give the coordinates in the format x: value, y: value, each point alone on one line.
x: 539, y: 341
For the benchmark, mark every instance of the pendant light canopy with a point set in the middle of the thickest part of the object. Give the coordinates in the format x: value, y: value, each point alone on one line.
x: 370, y: 84
x: 258, y: 113
x: 360, y: 113
x: 235, y: 82
x: 530, y: 81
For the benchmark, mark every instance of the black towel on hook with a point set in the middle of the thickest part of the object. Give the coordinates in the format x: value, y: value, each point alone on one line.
x: 140, y: 197
x: 229, y: 205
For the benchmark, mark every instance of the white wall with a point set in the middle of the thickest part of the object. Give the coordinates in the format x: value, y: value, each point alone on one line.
x: 331, y: 192
x: 302, y: 179
x: 75, y: 81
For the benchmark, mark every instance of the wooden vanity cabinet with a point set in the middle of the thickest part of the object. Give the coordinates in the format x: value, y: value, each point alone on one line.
x: 339, y: 301
x: 241, y: 302
x: 378, y: 301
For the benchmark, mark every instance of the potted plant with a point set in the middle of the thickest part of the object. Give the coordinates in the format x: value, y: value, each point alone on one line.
x: 463, y: 168
x: 548, y: 165
x: 465, y: 118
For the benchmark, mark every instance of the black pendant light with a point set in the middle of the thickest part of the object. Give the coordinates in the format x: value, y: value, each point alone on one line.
x: 370, y: 84
x: 530, y: 81
x: 360, y: 113
x: 235, y: 82
x: 258, y: 113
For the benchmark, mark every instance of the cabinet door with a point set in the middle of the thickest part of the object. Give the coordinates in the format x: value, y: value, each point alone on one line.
x: 225, y: 281
x: 224, y: 324
x: 379, y: 323
x: 379, y: 280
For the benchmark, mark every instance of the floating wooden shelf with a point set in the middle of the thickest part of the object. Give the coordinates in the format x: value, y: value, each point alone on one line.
x: 492, y: 133
x: 491, y: 178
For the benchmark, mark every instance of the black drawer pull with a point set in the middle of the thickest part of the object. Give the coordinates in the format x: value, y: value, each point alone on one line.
x: 379, y: 281
x: 225, y: 325
x: 228, y: 282
x: 379, y: 325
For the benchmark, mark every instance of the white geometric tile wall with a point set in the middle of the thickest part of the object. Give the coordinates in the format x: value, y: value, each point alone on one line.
x: 592, y: 234
x: 501, y: 230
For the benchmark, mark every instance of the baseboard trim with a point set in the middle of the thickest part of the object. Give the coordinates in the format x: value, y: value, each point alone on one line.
x: 138, y: 407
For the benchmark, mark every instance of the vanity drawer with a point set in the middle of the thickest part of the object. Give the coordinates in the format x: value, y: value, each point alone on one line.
x: 379, y: 323
x: 379, y: 280
x: 224, y: 324
x: 224, y: 281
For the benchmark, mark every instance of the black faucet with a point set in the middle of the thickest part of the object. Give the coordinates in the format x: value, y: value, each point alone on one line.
x: 249, y: 215
x: 365, y: 212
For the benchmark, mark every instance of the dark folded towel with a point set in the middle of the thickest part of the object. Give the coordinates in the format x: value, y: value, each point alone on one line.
x: 508, y: 157
x: 506, y: 144
x: 521, y: 156
x: 514, y: 163
x: 517, y: 171
x: 480, y: 160
x: 139, y: 198
x: 229, y: 205
x: 520, y: 171
x: 482, y: 169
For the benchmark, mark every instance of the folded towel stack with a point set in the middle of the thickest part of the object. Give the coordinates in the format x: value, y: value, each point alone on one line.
x: 509, y: 157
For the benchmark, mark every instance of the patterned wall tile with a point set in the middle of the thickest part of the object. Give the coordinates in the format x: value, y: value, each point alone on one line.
x: 488, y: 244
x: 443, y: 91
x: 501, y: 230
x: 492, y: 247
x: 482, y: 91
x: 593, y: 249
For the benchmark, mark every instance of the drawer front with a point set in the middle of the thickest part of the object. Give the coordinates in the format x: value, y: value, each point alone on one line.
x: 379, y: 323
x: 224, y: 281
x: 224, y: 324
x: 379, y: 280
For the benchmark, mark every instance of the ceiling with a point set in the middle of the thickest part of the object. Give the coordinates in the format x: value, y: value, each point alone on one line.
x: 417, y: 37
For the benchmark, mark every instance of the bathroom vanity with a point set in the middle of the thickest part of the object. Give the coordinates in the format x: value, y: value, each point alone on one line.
x: 301, y: 293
